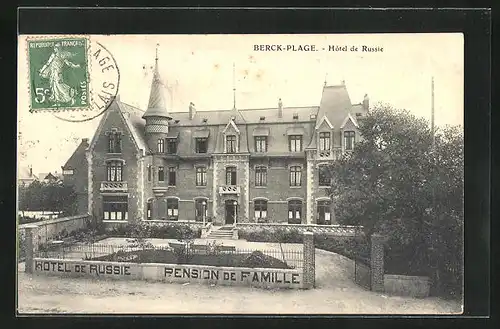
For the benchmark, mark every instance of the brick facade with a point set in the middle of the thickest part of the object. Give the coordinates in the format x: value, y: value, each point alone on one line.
x: 142, y: 157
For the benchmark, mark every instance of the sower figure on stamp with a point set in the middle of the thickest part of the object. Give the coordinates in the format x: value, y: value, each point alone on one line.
x: 53, y: 70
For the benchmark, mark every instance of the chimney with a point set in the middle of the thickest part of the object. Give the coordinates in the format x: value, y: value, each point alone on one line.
x: 280, y: 108
x: 85, y: 140
x: 31, y: 171
x: 192, y: 111
x: 366, y: 102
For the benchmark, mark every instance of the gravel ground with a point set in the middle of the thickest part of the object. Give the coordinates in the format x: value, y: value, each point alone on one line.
x: 336, y: 293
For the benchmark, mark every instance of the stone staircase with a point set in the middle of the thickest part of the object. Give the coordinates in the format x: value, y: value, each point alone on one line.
x: 221, y: 233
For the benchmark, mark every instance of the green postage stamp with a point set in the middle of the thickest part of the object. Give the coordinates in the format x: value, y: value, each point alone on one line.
x: 59, y: 74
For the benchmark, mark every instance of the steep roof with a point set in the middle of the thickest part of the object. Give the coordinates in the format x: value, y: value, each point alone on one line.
x: 157, y: 105
x: 134, y: 121
x: 335, y: 104
x: 249, y: 116
x: 78, y: 156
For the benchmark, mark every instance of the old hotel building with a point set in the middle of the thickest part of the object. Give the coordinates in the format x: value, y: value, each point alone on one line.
x: 233, y: 165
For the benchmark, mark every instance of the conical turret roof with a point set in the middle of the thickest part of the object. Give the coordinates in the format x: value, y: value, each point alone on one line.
x: 157, y: 105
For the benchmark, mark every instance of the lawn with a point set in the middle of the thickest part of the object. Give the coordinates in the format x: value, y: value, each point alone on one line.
x: 255, y: 259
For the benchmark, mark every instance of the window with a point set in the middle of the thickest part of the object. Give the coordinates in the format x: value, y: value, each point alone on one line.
x: 149, y: 173
x: 115, y: 207
x: 200, y: 209
x: 349, y: 140
x: 324, y: 141
x: 114, y: 142
x: 231, y: 144
x: 261, y: 144
x: 295, y: 143
x: 161, y: 174
x: 201, y: 176
x: 149, y: 210
x: 260, y: 208
x: 173, y: 209
x: 171, y: 176
x: 171, y: 145
x: 260, y: 176
x: 114, y: 171
x: 295, y: 176
x: 324, y: 175
x: 294, y: 211
x: 324, y: 211
x: 68, y: 172
x: 161, y: 145
x: 231, y: 176
x: 201, y: 145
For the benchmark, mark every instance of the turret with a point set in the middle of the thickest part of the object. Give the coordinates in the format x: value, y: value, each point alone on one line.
x: 156, y: 115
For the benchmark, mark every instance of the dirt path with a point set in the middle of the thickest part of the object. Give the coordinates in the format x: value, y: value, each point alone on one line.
x: 335, y: 293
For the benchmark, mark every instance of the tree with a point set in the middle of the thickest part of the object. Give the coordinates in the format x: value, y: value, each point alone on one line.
x: 396, y: 183
x: 48, y: 197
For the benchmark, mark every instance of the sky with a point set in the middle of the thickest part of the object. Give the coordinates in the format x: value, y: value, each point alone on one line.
x: 199, y: 69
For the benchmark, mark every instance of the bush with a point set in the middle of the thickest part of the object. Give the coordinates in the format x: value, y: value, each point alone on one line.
x: 152, y: 231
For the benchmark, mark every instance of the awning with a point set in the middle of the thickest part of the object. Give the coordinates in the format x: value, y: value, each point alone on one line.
x: 173, y: 134
x: 261, y: 131
x: 201, y: 133
x: 295, y: 131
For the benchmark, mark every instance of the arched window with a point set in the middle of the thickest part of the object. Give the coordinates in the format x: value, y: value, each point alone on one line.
x: 324, y: 212
x: 173, y: 209
x: 294, y: 212
x: 200, y: 209
x: 260, y: 208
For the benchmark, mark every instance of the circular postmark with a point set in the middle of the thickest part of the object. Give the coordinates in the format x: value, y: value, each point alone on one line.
x: 74, y: 78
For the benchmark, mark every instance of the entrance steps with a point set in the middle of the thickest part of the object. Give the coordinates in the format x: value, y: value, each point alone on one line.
x: 221, y: 233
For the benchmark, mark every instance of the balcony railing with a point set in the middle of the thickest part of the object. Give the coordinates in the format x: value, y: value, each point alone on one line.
x: 229, y: 189
x: 114, y: 187
x: 334, y: 154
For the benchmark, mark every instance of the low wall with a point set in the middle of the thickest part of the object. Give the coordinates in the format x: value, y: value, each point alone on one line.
x: 339, y: 230
x: 403, y: 285
x: 231, y: 276
x: 49, y: 229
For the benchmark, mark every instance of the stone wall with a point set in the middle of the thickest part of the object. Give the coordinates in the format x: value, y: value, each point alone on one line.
x: 403, y: 285
x: 47, y: 230
x: 231, y: 276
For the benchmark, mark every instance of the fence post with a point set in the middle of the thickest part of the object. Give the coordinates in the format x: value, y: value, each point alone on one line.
x: 377, y: 263
x: 309, y: 260
x: 30, y: 247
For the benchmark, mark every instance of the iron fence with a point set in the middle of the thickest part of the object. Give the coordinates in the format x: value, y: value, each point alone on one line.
x: 215, y: 255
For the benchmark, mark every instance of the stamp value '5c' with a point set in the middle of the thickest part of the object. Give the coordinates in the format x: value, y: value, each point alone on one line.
x: 59, y: 76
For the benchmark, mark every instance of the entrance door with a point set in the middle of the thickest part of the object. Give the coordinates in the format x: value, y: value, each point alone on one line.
x: 231, y: 211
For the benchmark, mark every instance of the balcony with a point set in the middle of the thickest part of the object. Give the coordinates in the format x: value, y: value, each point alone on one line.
x: 114, y: 187
x: 229, y: 189
x: 334, y: 154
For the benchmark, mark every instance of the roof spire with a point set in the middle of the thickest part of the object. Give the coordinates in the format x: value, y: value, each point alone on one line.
x: 234, y: 88
x: 157, y: 102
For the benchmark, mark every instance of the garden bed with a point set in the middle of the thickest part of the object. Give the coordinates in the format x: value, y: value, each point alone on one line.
x: 255, y: 259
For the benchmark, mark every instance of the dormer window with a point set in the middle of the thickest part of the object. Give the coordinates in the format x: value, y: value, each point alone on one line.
x: 262, y: 118
x: 295, y: 116
x: 324, y: 141
x: 204, y: 120
x: 349, y: 140
x: 231, y: 144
